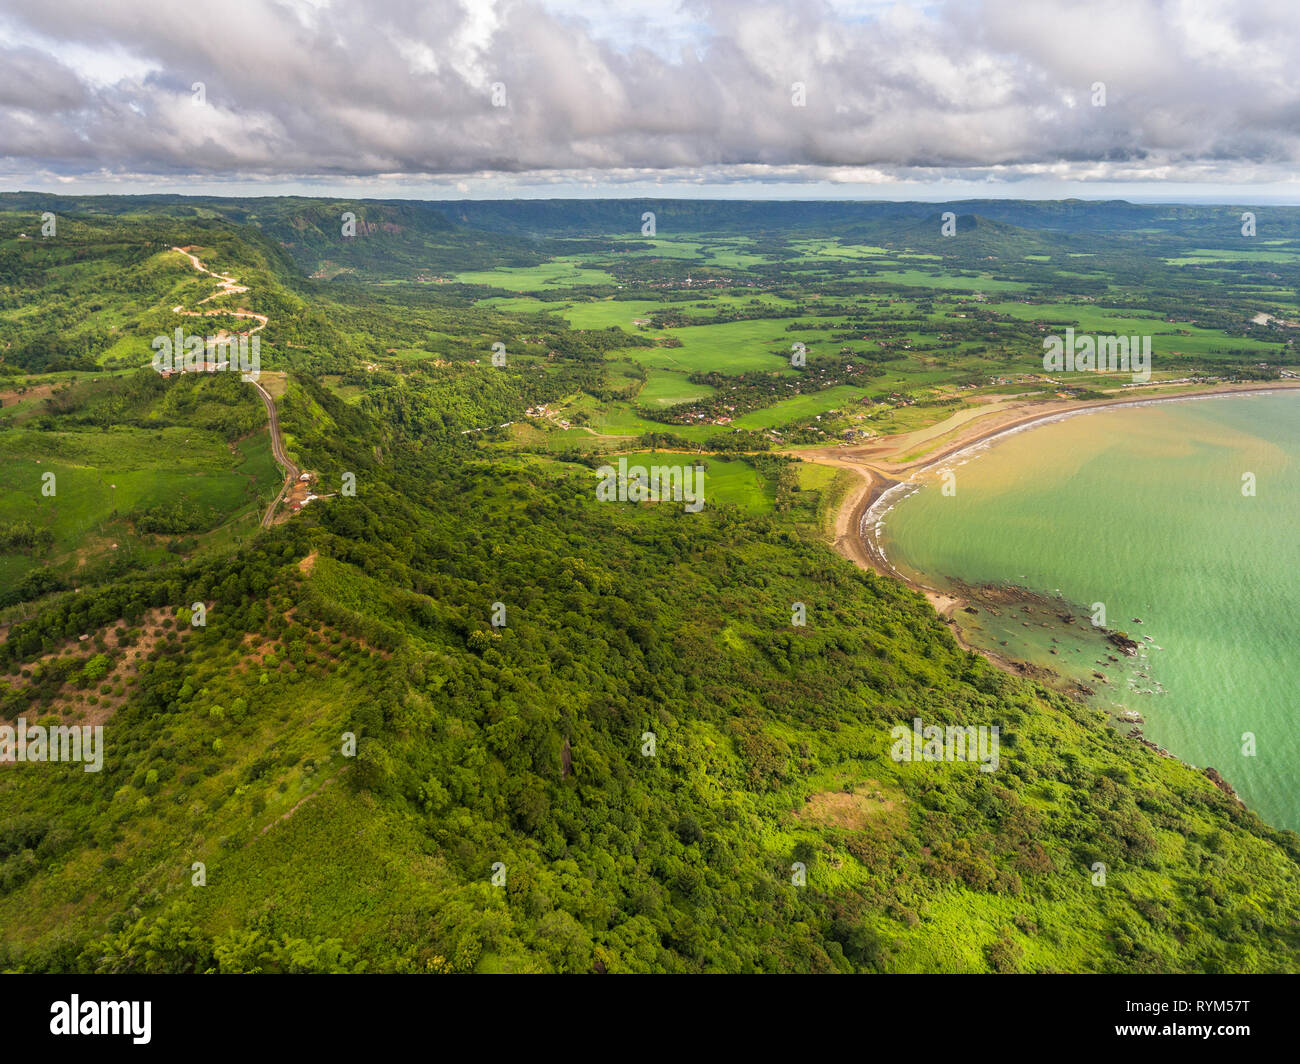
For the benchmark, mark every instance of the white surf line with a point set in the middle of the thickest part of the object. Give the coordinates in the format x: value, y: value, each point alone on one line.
x: 873, y: 517
x: 871, y: 525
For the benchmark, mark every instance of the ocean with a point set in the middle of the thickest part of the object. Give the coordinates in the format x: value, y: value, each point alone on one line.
x: 1177, y: 521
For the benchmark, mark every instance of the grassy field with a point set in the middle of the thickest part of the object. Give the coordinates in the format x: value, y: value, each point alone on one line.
x: 727, y: 482
x: 101, y: 478
x: 665, y: 388
x: 842, y: 398
x: 559, y: 273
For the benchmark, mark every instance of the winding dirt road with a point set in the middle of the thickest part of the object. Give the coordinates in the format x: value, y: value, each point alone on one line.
x: 228, y: 285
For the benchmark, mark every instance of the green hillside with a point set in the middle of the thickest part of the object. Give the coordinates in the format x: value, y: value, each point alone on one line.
x: 647, y: 767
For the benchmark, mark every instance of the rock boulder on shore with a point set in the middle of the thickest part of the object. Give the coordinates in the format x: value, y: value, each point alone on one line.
x: 1222, y: 784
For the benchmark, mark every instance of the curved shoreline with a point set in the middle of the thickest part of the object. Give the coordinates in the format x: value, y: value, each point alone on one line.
x: 860, y: 543
x: 880, y: 491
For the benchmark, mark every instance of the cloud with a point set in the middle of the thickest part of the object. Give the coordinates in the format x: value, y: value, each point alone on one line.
x: 411, y: 87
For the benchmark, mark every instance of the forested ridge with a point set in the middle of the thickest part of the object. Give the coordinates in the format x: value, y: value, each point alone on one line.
x: 621, y: 777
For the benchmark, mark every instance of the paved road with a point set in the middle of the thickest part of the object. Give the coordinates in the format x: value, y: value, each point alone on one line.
x: 291, y: 471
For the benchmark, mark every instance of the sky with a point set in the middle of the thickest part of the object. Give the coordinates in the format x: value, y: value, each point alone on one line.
x: 1190, y: 100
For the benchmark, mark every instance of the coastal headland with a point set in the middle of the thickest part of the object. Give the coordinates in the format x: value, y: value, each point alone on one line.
x: 888, y: 466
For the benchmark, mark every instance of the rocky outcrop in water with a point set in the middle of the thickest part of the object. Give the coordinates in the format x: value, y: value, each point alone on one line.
x: 1125, y: 644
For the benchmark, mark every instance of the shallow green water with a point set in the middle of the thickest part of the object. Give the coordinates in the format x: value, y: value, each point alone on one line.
x: 1142, y: 509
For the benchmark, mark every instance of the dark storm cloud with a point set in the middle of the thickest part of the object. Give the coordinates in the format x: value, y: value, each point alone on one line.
x: 405, y: 87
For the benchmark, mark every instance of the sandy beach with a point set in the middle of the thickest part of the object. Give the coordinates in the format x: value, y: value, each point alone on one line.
x: 893, y: 461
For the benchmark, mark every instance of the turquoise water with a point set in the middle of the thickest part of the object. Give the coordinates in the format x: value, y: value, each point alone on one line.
x: 1142, y: 509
